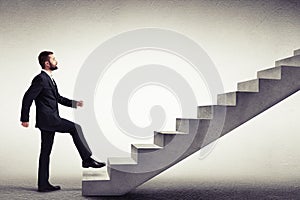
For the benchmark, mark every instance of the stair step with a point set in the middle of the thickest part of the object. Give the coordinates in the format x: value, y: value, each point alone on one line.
x: 249, y: 86
x: 227, y: 99
x: 272, y: 73
x: 183, y: 124
x: 138, y: 149
x: 231, y: 98
x: 170, y: 132
x: 95, y: 174
x: 162, y: 138
x: 205, y: 112
x: 209, y: 112
x: 297, y: 52
x: 146, y: 146
x: 121, y: 161
x: 291, y: 61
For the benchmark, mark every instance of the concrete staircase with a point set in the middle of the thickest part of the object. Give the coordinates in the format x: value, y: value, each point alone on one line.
x: 170, y: 147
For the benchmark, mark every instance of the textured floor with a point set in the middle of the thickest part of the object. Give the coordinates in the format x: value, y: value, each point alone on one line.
x: 159, y: 189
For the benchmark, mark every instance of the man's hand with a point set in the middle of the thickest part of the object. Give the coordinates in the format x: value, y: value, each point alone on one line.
x: 25, y: 124
x: 80, y: 103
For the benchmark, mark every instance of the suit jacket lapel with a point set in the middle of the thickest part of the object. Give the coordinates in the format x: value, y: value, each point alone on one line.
x: 54, y: 88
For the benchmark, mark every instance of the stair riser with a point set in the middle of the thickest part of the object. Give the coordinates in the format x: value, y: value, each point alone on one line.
x: 273, y: 73
x: 227, y: 99
x: 122, y: 165
x: 139, y: 154
x: 163, y: 139
x: 100, y: 174
x: 159, y: 139
x: 134, y: 154
x: 205, y: 112
x: 214, y: 111
x: 249, y: 86
x: 297, y: 52
x: 182, y: 125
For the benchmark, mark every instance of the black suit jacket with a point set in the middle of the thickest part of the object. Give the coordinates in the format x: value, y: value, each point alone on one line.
x: 45, y: 94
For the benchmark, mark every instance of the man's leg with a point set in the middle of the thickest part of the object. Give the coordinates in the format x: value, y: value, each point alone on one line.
x: 47, y: 138
x: 75, y: 130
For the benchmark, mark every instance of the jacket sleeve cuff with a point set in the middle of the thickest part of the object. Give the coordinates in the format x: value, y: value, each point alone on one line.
x: 74, y: 104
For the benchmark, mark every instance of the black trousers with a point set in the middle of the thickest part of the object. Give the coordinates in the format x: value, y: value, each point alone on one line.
x: 47, y: 138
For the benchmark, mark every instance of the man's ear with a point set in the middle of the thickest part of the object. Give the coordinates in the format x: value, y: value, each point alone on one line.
x: 47, y: 63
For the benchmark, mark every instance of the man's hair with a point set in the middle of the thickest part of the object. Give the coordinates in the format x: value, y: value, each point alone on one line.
x: 43, y: 57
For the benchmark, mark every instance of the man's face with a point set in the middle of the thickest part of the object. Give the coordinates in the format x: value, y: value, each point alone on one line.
x: 52, y: 63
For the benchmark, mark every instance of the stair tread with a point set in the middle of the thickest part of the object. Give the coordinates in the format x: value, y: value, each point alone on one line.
x: 234, y: 92
x: 121, y: 161
x: 270, y: 68
x: 287, y: 58
x: 207, y: 106
x: 188, y: 118
x: 146, y: 146
x: 171, y: 132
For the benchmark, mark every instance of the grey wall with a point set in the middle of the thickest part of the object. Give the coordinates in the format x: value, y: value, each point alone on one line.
x: 241, y: 37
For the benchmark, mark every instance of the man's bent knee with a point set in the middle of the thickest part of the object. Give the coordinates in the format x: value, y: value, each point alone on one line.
x: 75, y: 129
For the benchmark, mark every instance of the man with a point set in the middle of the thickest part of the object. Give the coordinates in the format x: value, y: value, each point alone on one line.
x: 44, y: 92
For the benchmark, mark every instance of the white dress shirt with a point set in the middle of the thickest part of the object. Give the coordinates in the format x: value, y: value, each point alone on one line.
x: 50, y: 75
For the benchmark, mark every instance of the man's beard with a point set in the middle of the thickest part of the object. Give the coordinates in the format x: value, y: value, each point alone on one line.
x: 53, y: 67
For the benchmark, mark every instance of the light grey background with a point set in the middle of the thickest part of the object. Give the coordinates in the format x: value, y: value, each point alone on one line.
x: 241, y: 37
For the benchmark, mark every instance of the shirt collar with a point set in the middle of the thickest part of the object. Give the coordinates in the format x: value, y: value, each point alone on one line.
x: 49, y: 73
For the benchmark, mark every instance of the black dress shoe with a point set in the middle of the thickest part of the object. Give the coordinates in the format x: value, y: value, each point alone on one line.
x: 48, y: 188
x: 92, y: 163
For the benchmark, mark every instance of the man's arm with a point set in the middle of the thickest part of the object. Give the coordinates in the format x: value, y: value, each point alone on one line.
x: 33, y: 91
x: 67, y: 102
